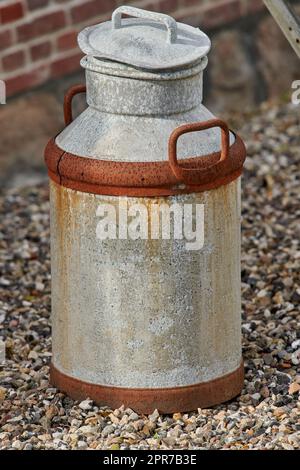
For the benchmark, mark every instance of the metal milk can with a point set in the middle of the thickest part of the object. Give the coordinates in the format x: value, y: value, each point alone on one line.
x: 145, y: 225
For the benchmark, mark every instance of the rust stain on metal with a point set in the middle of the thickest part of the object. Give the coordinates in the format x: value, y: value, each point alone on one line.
x: 144, y: 178
x: 166, y: 400
x: 63, y: 203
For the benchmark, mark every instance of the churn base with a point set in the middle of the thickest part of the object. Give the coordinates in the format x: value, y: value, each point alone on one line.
x: 146, y: 400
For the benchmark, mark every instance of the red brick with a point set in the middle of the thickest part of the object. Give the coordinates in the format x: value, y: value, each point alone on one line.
x: 42, y: 25
x: 5, y: 39
x: 41, y: 50
x: 67, y: 41
x: 66, y: 65
x: 27, y: 80
x: 255, y: 6
x: 35, y: 4
x: 189, y: 3
x: 13, y: 61
x: 90, y: 9
x: 221, y: 13
x: 167, y: 6
x: 152, y: 5
x: 13, y: 12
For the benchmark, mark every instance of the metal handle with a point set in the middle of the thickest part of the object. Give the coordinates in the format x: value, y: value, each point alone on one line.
x: 149, y: 15
x: 74, y: 90
x: 184, y: 174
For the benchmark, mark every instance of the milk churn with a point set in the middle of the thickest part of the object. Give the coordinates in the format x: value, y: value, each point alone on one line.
x: 145, y: 225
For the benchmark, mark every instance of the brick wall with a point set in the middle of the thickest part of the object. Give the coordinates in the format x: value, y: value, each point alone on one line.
x: 38, y: 37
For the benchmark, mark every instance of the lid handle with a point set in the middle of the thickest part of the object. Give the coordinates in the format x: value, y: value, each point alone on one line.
x: 149, y: 15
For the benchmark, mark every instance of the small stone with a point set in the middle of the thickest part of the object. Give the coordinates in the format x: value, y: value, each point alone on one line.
x: 148, y: 428
x: 3, y: 392
x: 190, y: 427
x: 51, y: 412
x: 139, y: 424
x: 169, y: 441
x: 268, y: 359
x: 2, y: 351
x: 267, y: 313
x: 133, y: 417
x: 288, y: 282
x: 88, y: 429
x: 264, y: 391
x: 114, y: 419
x: 278, y: 412
x: 255, y: 398
x: 287, y: 446
x: 154, y: 416
x: 39, y: 286
x: 28, y: 446
x: 33, y: 355
x: 82, y: 445
x: 76, y: 423
x: 283, y: 379
x: 109, y: 429
x: 296, y: 344
x: 177, y: 416
x: 86, y: 405
x: 294, y: 388
x: 296, y: 358
x: 115, y: 447
x: 17, y: 445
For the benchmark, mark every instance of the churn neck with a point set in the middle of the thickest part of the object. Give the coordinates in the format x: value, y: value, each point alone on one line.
x: 121, y: 89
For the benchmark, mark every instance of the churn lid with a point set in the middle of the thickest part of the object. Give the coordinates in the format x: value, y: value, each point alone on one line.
x: 152, y: 41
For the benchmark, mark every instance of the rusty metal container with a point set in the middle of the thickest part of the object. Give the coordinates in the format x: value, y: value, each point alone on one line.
x: 144, y: 321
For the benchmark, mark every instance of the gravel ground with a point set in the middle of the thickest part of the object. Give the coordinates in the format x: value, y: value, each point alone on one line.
x: 267, y: 414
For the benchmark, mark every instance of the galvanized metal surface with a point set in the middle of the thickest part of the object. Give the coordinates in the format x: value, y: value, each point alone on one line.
x: 151, y: 41
x: 287, y: 20
x: 145, y: 313
x: 131, y: 119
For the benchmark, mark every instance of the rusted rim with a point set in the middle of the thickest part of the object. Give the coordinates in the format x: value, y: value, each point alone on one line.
x: 142, y: 178
x: 146, y: 178
x: 145, y: 400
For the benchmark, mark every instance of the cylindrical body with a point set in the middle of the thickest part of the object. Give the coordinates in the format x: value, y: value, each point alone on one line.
x: 148, y: 321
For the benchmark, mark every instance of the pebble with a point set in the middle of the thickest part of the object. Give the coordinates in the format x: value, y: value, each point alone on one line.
x: 133, y: 417
x: 296, y: 358
x: 255, y: 398
x: 268, y: 359
x: 86, y: 405
x: 294, y: 388
x: 154, y: 416
x: 82, y: 445
x: 108, y: 430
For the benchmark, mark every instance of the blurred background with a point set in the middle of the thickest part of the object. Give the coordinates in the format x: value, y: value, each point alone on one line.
x: 250, y: 62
